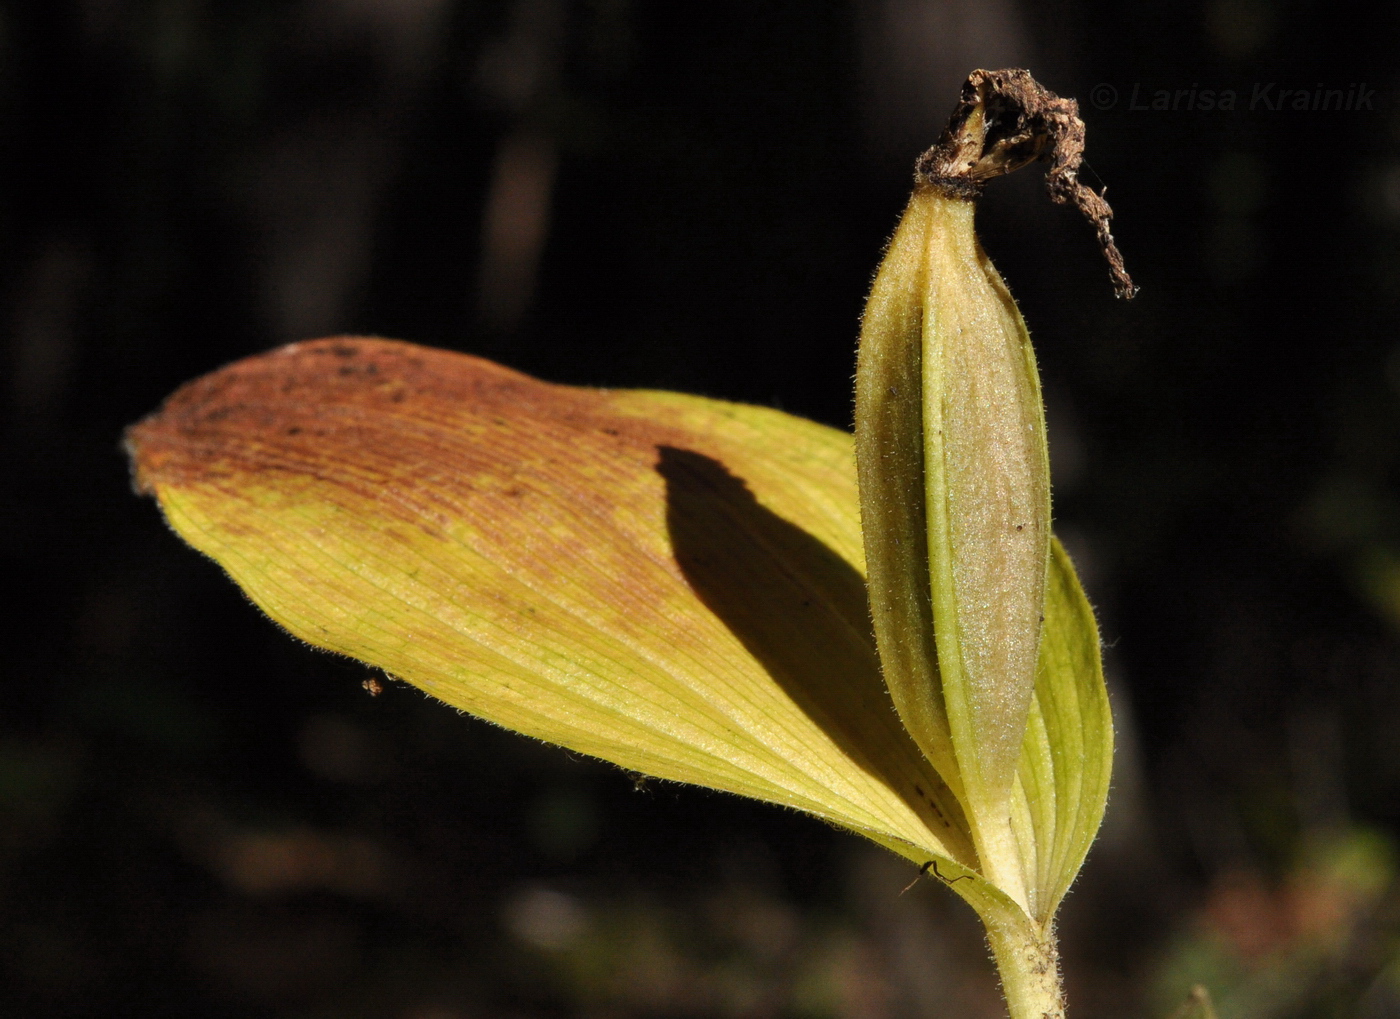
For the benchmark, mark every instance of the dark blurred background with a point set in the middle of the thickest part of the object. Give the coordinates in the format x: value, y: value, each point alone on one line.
x: 198, y: 816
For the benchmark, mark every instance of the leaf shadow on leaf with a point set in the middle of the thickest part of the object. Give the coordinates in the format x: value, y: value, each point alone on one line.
x: 801, y: 610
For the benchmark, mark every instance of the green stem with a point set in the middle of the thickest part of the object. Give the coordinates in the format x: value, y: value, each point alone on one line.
x: 1029, y: 963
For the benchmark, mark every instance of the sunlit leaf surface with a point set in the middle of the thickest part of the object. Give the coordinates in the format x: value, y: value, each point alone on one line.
x: 666, y: 582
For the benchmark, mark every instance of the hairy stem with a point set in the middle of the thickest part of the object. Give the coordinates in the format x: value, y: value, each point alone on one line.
x: 1029, y: 963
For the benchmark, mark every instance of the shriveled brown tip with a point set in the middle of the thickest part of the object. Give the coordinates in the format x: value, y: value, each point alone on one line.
x: 1004, y: 120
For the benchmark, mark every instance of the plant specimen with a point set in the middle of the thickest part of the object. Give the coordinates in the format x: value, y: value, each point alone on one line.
x: 685, y: 587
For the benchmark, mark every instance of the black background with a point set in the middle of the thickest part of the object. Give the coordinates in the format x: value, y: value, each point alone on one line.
x: 200, y: 817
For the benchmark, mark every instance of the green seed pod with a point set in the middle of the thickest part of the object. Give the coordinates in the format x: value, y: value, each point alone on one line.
x: 953, y: 463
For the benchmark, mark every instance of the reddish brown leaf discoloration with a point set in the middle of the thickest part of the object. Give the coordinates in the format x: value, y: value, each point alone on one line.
x: 380, y: 419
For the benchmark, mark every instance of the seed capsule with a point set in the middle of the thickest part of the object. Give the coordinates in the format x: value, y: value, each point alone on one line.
x: 952, y: 457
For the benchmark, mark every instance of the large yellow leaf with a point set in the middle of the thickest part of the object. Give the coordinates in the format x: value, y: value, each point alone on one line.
x: 666, y: 582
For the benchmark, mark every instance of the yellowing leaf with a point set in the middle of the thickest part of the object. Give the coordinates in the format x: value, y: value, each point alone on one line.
x: 666, y: 582
x: 1067, y: 759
